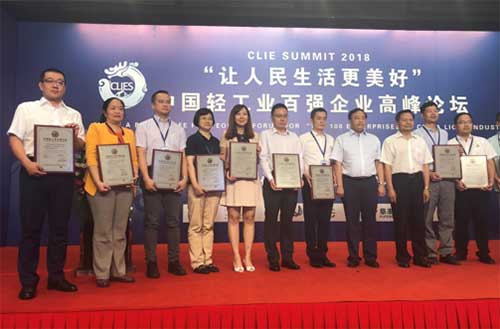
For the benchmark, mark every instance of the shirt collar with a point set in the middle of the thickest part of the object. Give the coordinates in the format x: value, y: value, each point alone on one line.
x: 44, y: 101
x: 355, y: 133
x: 275, y: 131
x: 316, y: 134
x: 399, y: 134
x: 463, y: 140
x: 157, y: 118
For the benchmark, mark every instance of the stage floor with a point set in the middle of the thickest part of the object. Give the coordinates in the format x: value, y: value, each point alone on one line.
x: 471, y: 280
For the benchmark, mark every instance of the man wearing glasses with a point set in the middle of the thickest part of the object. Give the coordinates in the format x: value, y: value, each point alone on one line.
x: 43, y: 194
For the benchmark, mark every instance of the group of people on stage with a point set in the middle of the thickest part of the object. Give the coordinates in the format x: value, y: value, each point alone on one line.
x: 364, y: 171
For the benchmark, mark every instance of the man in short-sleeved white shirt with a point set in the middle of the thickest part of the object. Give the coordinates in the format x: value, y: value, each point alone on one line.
x: 406, y: 160
x: 160, y: 132
x: 43, y: 194
x: 471, y: 204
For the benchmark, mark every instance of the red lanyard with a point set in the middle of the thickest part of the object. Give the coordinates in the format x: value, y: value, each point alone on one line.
x: 119, y: 135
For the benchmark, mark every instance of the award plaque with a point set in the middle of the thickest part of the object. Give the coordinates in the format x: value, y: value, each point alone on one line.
x: 54, y: 149
x: 447, y: 161
x: 115, y: 164
x: 166, y: 169
x: 322, y: 182
x: 210, y: 173
x: 286, y: 170
x: 243, y: 160
x: 474, y: 171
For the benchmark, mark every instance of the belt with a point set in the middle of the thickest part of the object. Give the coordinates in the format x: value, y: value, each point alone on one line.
x: 416, y: 174
x: 359, y: 178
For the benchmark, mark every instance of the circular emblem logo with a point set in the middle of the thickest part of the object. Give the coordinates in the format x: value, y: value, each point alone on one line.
x: 55, y: 134
x: 167, y: 157
x: 321, y: 171
x: 473, y: 161
x: 243, y: 148
x: 209, y: 160
x: 124, y: 81
x: 114, y: 151
x: 446, y: 151
x: 286, y: 159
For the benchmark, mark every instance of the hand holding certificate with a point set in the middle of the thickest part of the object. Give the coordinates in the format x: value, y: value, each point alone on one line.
x: 474, y: 171
x: 322, y: 183
x: 54, y: 149
x: 210, y: 173
x: 287, y: 171
x: 447, y: 161
x: 115, y: 164
x: 243, y: 160
x: 166, y: 169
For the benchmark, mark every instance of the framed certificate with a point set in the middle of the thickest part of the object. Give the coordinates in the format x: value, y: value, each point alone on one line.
x: 447, y: 161
x: 322, y: 182
x: 474, y: 171
x: 54, y: 149
x: 210, y: 173
x: 166, y: 169
x: 243, y: 160
x: 286, y: 170
x: 115, y: 164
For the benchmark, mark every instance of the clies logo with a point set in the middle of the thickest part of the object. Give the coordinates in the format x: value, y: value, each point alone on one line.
x: 130, y: 92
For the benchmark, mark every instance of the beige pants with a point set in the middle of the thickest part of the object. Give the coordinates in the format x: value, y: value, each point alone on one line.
x: 110, y: 212
x: 201, y: 211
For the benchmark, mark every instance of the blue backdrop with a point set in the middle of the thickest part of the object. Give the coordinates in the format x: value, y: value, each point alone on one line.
x: 381, y: 71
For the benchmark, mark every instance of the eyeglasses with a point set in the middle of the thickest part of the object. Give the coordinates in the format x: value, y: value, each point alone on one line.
x: 57, y: 82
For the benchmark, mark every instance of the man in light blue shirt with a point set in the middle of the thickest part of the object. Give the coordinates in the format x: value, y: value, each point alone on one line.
x: 442, y: 193
x: 356, y: 154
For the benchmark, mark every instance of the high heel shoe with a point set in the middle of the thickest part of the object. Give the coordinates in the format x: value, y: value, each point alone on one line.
x: 239, y: 269
x: 249, y: 268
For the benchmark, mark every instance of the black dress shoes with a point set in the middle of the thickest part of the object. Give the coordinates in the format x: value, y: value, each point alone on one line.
x: 175, y: 268
x: 212, y: 268
x: 102, y: 283
x: 152, y: 271
x: 352, y: 263
x: 486, y: 260
x: 291, y: 265
x: 27, y: 293
x: 315, y: 263
x: 202, y: 269
x: 61, y: 285
x: 372, y: 263
x: 449, y: 259
x: 433, y: 260
x: 404, y: 264
x: 421, y: 262
x: 274, y: 267
x: 327, y: 263
x: 122, y: 279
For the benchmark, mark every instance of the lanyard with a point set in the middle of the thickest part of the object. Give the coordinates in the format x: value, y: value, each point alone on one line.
x: 120, y: 135
x: 470, y: 146
x: 323, y: 151
x: 432, y: 138
x: 163, y: 137
x: 205, y: 142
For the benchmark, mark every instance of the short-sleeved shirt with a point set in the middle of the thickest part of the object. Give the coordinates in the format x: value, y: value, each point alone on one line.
x: 316, y: 148
x: 150, y: 136
x: 432, y: 137
x: 197, y: 144
x: 405, y: 155
x: 474, y: 145
x: 357, y: 153
x: 42, y: 112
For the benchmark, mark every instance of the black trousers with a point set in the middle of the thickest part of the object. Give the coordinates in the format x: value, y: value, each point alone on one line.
x: 283, y: 202
x: 471, y: 206
x: 360, y: 202
x: 43, y: 197
x: 408, y: 213
x: 317, y: 214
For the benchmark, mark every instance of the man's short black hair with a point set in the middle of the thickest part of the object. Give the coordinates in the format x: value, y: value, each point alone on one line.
x: 278, y: 106
x: 357, y: 109
x: 316, y: 110
x: 201, y: 112
x: 400, y: 113
x: 51, y: 69
x: 455, y: 120
x: 426, y: 105
x: 153, y: 97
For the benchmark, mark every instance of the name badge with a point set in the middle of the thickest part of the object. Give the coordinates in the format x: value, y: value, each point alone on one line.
x: 325, y: 162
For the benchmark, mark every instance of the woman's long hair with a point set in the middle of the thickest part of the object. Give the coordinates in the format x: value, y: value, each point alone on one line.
x: 232, y: 130
x: 105, y: 105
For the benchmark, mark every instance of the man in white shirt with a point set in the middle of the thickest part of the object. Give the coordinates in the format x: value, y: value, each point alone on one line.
x: 42, y: 194
x: 442, y: 193
x: 406, y: 161
x: 160, y: 132
x: 471, y: 204
x: 278, y: 140
x: 357, y: 154
x: 317, y: 147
